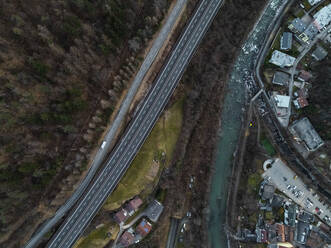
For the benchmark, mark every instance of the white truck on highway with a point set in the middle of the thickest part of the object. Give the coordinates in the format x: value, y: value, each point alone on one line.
x: 103, y: 144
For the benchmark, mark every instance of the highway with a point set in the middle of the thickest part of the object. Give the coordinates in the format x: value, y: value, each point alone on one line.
x: 160, y: 41
x: 139, y: 128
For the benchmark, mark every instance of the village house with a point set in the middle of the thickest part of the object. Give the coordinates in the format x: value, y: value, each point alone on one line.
x: 281, y: 59
x: 133, y: 205
x: 121, y: 216
x: 144, y: 228
x: 281, y: 78
x: 127, y: 238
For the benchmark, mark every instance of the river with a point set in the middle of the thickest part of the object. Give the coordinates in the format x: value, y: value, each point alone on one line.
x: 231, y: 118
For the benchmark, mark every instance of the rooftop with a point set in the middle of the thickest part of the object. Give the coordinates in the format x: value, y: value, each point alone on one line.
x: 277, y: 201
x: 305, y: 75
x: 313, y: 2
x: 281, y: 232
x: 319, y: 53
x: 144, y: 228
x: 121, y: 216
x: 297, y: 25
x: 280, y: 245
x: 261, y: 235
x: 281, y: 78
x: 300, y: 102
x: 282, y: 101
x: 310, y: 32
x: 127, y: 238
x: 154, y: 210
x: 304, y: 131
x: 281, y: 59
x: 286, y: 41
x: 134, y: 204
x: 323, y: 17
x: 268, y: 191
x: 301, y: 232
x: 290, y: 214
x: 306, y: 217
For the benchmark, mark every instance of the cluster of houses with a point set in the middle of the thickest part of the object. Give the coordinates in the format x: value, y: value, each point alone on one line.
x: 306, y: 29
x: 128, y: 210
x: 132, y: 236
x: 297, y: 229
x: 303, y: 30
x: 135, y: 234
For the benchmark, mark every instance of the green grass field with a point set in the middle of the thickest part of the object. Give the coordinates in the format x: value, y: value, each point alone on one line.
x: 253, y: 182
x: 98, y: 237
x: 265, y: 142
x: 162, y: 139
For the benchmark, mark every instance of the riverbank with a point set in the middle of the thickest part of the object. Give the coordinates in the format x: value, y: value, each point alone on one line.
x: 232, y: 132
x: 250, y: 50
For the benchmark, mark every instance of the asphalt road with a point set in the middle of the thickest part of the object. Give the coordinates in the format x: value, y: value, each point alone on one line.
x: 173, y: 233
x: 120, y: 116
x: 139, y: 128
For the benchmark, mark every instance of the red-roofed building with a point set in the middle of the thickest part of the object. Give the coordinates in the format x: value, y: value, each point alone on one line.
x: 303, y: 93
x: 264, y: 236
x: 133, y: 205
x: 144, y: 228
x: 305, y: 75
x: 280, y: 232
x: 261, y: 235
x: 121, y: 216
x: 300, y: 102
x: 127, y: 238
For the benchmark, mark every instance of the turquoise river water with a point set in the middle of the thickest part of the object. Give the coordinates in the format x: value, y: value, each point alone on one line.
x: 231, y: 117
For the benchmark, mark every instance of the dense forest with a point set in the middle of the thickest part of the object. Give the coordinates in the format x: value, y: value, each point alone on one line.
x: 63, y: 67
x: 319, y: 111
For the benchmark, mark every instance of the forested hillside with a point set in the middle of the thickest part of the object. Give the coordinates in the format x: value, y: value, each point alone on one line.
x: 63, y: 66
x: 319, y: 112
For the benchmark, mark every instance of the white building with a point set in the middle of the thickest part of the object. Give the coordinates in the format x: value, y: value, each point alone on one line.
x: 313, y: 2
x: 282, y: 101
x: 323, y: 17
x: 281, y: 104
x: 281, y: 59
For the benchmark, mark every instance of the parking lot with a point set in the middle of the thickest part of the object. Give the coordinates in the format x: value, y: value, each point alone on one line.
x: 277, y: 173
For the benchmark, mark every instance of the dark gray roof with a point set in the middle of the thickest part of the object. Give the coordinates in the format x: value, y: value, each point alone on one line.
x: 291, y: 215
x: 268, y: 191
x: 301, y: 232
x: 306, y: 132
x: 281, y: 78
x: 311, y: 31
x: 154, y: 210
x: 298, y: 25
x: 306, y: 217
x: 319, y: 53
x: 286, y: 41
x: 277, y: 201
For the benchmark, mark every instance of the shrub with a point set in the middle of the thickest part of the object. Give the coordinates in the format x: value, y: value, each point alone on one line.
x: 72, y: 26
x: 40, y: 68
